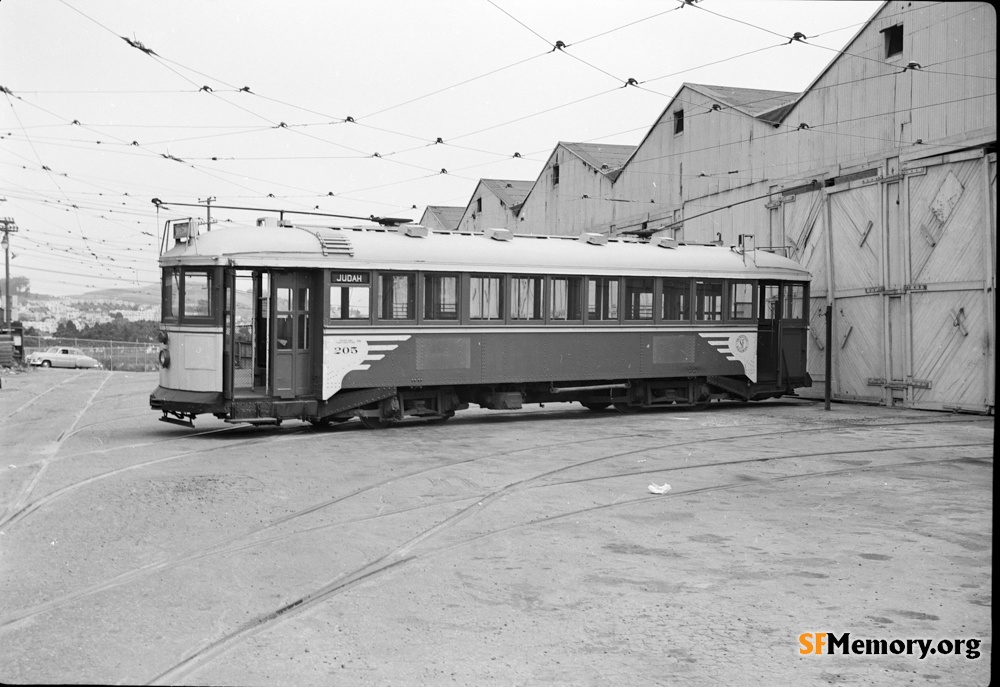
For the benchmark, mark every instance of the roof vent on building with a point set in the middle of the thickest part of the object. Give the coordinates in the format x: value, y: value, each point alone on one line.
x: 667, y: 242
x: 593, y: 239
x: 335, y: 244
x: 416, y: 230
x: 499, y: 234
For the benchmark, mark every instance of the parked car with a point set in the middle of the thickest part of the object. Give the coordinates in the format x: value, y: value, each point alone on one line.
x: 61, y: 356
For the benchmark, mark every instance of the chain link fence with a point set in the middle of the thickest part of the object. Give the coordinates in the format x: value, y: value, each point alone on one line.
x: 122, y: 356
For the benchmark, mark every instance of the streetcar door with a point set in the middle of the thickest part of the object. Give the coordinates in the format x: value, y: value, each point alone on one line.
x: 769, y: 333
x: 241, y: 357
x: 292, y: 341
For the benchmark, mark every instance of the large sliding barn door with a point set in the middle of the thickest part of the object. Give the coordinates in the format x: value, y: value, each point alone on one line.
x: 857, y: 229
x: 949, y: 282
x: 914, y: 271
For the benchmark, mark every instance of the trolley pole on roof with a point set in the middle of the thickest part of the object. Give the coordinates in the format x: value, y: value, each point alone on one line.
x: 8, y: 227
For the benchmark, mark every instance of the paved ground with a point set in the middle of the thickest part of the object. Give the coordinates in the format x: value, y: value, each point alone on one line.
x: 506, y: 548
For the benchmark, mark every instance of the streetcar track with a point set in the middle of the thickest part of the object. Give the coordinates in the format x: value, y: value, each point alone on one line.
x: 402, y: 555
x: 23, y: 497
x: 32, y: 506
x: 40, y: 395
x: 214, y: 548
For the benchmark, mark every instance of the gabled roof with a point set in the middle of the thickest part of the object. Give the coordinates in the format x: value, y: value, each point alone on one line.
x: 511, y: 191
x: 779, y: 115
x: 750, y: 101
x: 604, y: 157
x: 449, y: 216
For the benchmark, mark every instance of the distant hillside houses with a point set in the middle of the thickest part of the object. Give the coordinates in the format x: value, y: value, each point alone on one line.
x: 46, y: 315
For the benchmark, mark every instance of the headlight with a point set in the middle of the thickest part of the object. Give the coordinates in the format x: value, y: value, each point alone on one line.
x: 164, y: 358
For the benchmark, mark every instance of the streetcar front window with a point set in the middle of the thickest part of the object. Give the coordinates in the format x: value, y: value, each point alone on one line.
x: 197, y: 294
x: 794, y: 297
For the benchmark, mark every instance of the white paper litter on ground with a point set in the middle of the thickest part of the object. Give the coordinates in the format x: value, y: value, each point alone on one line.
x: 659, y: 490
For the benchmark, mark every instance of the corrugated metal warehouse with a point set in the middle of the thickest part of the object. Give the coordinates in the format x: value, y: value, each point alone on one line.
x: 880, y: 178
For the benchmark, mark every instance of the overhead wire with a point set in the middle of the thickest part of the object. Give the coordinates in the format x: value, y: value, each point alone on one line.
x: 519, y: 119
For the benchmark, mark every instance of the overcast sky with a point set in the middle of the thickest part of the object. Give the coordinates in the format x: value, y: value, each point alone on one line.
x: 247, y: 101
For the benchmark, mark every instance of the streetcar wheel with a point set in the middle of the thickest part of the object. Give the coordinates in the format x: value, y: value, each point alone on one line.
x: 327, y: 421
x: 46, y: 363
x: 625, y: 408
x: 596, y: 407
x: 440, y: 419
x: 374, y: 422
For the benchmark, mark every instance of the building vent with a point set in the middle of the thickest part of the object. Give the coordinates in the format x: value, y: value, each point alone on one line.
x: 415, y: 230
x: 335, y: 244
x: 594, y: 239
x: 499, y: 234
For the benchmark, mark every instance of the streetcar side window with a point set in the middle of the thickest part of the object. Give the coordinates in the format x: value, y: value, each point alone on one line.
x: 526, y: 298
x: 638, y: 298
x: 708, y: 300
x: 397, y: 297
x: 566, y: 301
x: 741, y: 300
x: 197, y: 294
x: 486, y: 297
x: 676, y: 300
x: 794, y: 298
x: 350, y: 296
x: 170, y: 302
x: 440, y: 297
x: 602, y: 299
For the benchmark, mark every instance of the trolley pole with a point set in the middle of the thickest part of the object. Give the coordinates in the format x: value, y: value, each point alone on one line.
x: 7, y: 226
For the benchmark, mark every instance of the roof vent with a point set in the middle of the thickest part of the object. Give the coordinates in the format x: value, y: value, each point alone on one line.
x: 335, y: 244
x: 667, y: 242
x: 417, y: 230
x: 594, y: 239
x: 499, y: 234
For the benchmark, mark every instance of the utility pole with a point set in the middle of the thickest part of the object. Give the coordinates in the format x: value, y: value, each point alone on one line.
x: 208, y: 210
x: 7, y: 226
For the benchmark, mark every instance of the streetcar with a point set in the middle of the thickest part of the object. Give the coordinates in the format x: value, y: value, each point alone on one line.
x: 280, y: 321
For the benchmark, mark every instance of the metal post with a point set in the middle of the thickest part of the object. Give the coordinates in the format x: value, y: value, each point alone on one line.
x: 828, y: 384
x: 6, y: 288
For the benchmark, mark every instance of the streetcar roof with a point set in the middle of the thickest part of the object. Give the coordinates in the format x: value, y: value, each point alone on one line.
x: 360, y: 248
